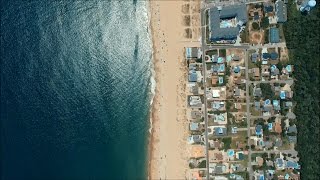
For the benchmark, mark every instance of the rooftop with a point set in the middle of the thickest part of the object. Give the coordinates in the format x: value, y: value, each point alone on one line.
x: 281, y: 11
x: 215, y: 16
x: 274, y: 35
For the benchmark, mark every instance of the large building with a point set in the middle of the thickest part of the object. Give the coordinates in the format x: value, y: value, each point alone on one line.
x: 216, y: 16
x: 281, y: 11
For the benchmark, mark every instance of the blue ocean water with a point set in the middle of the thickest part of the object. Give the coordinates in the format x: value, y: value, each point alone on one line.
x: 75, y: 89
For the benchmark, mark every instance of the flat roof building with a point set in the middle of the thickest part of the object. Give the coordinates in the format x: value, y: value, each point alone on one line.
x: 274, y: 35
x: 281, y: 11
x: 239, y: 12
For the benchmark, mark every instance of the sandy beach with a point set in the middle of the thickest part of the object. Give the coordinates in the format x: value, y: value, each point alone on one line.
x: 168, y: 158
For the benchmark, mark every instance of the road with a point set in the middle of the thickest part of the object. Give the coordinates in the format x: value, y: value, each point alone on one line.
x: 249, y: 168
x: 275, y: 151
x: 204, y: 68
x: 289, y: 81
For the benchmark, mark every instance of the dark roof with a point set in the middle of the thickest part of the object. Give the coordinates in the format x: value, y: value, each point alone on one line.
x: 268, y: 8
x: 274, y: 35
x: 265, y: 55
x: 274, y: 55
x: 256, y: 16
x: 217, y: 33
x: 281, y: 11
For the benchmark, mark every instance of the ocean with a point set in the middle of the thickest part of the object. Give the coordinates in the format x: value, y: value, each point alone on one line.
x: 76, y: 87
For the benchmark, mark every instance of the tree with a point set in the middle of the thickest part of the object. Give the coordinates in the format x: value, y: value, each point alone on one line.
x: 255, y: 26
x: 267, y: 91
x: 265, y: 22
x: 253, y: 147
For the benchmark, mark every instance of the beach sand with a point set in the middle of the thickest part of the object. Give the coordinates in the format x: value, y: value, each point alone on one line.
x: 168, y: 158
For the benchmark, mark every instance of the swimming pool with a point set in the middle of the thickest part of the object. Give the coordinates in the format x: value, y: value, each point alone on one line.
x: 225, y: 24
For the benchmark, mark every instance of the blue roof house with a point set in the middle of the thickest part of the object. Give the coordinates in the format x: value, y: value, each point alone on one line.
x: 289, y: 68
x: 236, y: 69
x: 279, y: 163
x: 282, y: 95
x: 274, y: 56
x: 274, y: 35
x: 292, y: 165
x: 276, y: 105
x: 220, y: 80
x: 266, y: 56
x: 254, y: 57
x: 193, y: 77
x: 259, y: 130
x: 220, y: 131
x: 268, y: 8
x: 194, y: 126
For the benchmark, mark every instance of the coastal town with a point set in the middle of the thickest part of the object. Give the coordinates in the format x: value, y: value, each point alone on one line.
x: 239, y: 94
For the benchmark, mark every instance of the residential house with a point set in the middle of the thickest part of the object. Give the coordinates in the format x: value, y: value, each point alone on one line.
x: 237, y: 69
x: 194, y: 89
x: 257, y: 105
x: 196, y: 114
x: 274, y: 56
x: 220, y: 131
x: 215, y: 144
x: 256, y: 72
x: 259, y: 130
x: 214, y: 80
x: 218, y: 105
x: 292, y: 165
x: 194, y: 139
x: 280, y: 164
x: 220, y: 118
x: 193, y: 76
x: 292, y: 129
x: 194, y: 126
x: 220, y: 169
x: 192, y: 52
x: 292, y: 139
x: 254, y: 57
x: 265, y: 71
x: 274, y: 72
x: 237, y: 92
x: 276, y: 105
x: 257, y: 92
x: 288, y: 104
x: 195, y: 101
